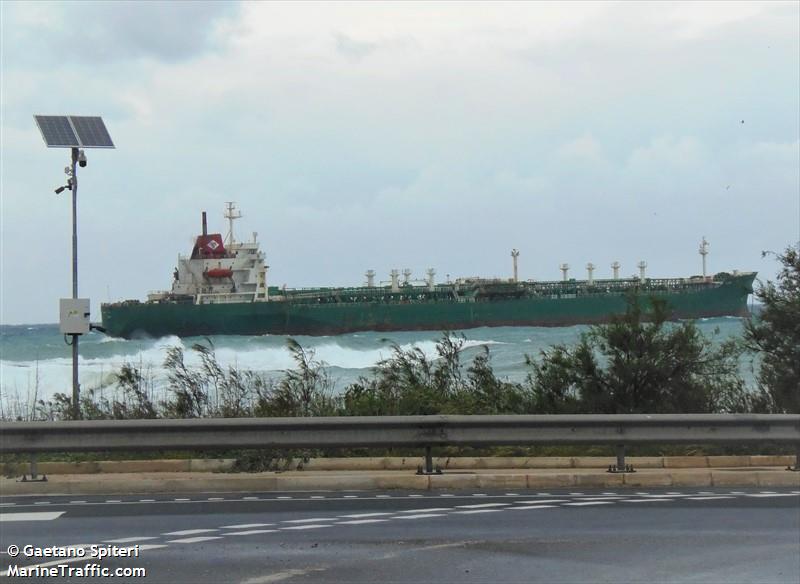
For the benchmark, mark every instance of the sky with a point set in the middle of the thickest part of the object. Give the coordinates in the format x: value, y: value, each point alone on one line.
x: 359, y: 136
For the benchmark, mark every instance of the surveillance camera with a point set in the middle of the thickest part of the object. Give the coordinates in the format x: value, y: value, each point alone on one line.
x: 59, y: 190
x: 81, y: 158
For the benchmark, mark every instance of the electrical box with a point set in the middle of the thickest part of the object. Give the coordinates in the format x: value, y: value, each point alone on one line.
x: 74, y: 316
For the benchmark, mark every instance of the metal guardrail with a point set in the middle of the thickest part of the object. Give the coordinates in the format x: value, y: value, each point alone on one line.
x: 392, y: 431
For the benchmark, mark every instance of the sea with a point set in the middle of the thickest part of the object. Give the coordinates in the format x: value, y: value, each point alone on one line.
x: 35, y: 361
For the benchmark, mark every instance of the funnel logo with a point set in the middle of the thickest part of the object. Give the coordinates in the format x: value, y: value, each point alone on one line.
x: 212, y: 245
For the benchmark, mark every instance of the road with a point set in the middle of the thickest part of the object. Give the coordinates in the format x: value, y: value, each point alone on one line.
x: 689, y: 535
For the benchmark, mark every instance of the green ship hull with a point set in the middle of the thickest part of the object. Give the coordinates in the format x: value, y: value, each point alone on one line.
x: 336, y: 311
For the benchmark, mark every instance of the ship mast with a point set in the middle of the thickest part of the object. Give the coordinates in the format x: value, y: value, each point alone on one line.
x: 230, y: 214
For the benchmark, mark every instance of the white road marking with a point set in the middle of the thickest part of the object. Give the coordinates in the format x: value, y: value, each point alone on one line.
x: 42, y: 503
x: 360, y: 515
x: 642, y: 493
x: 544, y: 494
x: 113, y: 501
x: 284, y: 497
x: 428, y: 510
x: 607, y: 498
x: 183, y: 499
x: 479, y: 495
x: 7, y: 504
x: 317, y: 497
x: 705, y: 492
x: 383, y: 496
x: 414, y: 495
x: 479, y: 511
x: 190, y: 532
x: 306, y: 527
x: 527, y: 507
x: 673, y: 493
x: 194, y: 539
x: 130, y: 539
x: 608, y: 493
x: 252, y: 532
x: 447, y: 495
x: 151, y: 546
x: 77, y: 502
x: 662, y: 496
x: 648, y: 500
x: 361, y: 521
x: 709, y: 498
x: 540, y: 501
x: 216, y: 499
x: 246, y: 525
x: 512, y: 494
x: 312, y: 520
x: 142, y: 501
x: 420, y: 516
x: 589, y: 503
x: 40, y: 516
x: 249, y: 498
x: 576, y: 493
x: 482, y: 505
x: 736, y: 493
x: 772, y: 495
x: 351, y: 496
x: 767, y: 492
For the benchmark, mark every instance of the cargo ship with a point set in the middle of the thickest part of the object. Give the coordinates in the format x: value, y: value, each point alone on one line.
x: 221, y: 289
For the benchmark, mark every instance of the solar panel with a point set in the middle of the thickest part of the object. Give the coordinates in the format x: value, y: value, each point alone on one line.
x: 57, y: 132
x: 91, y: 131
x: 74, y: 132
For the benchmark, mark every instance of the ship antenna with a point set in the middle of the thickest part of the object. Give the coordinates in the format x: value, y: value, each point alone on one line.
x: 704, y: 252
x: 230, y: 214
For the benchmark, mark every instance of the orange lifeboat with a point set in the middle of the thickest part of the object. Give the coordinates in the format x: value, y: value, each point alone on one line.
x: 219, y: 273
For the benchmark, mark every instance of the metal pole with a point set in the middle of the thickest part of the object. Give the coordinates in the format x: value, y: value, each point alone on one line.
x: 76, y: 388
x: 620, y: 457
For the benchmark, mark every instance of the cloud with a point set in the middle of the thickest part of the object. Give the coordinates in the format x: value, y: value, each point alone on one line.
x: 98, y: 32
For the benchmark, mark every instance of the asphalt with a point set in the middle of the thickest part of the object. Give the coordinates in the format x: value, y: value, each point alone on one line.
x: 588, y: 535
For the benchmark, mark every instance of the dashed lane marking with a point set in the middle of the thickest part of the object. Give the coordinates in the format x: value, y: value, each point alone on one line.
x: 195, y: 539
x: 42, y: 503
x: 360, y: 515
x: 180, y: 500
x: 246, y: 526
x: 710, y: 498
x: 7, y: 504
x: 252, y: 532
x: 648, y: 500
x: 473, y: 511
x: 312, y: 520
x: 420, y: 516
x: 528, y: 507
x: 584, y: 503
x: 144, y: 501
x: 190, y: 532
x: 215, y: 499
x: 428, y: 510
x: 512, y: 494
x: 130, y: 539
x: 284, y: 497
x: 250, y: 499
x: 540, y: 501
x: 361, y: 521
x: 317, y: 497
x: 33, y: 516
x: 482, y: 505
x: 416, y: 495
x: 313, y: 526
x: 771, y: 495
x: 383, y: 496
x: 351, y: 496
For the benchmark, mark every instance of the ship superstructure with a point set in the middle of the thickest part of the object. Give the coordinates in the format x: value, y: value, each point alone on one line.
x: 218, y: 271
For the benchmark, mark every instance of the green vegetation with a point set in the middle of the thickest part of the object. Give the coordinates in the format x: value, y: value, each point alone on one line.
x: 775, y: 336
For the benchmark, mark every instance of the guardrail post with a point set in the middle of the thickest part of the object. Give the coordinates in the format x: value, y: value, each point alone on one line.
x: 620, y: 466
x: 428, y: 464
x: 796, y: 467
x: 34, y: 473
